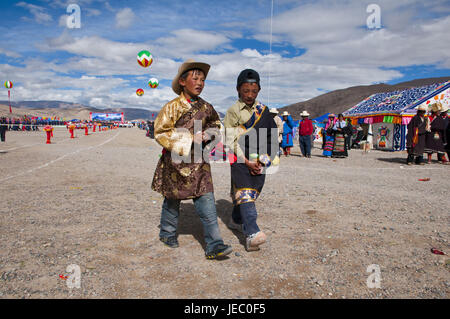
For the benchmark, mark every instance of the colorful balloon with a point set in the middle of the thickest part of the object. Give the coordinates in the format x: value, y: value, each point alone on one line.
x: 8, y: 84
x: 144, y: 58
x: 139, y: 92
x: 153, y: 83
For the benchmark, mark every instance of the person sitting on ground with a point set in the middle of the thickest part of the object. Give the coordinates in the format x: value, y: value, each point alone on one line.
x: 359, y: 134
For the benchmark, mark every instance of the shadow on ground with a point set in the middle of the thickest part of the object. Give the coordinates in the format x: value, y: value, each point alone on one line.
x: 189, y: 222
x: 396, y: 160
x: 224, y: 210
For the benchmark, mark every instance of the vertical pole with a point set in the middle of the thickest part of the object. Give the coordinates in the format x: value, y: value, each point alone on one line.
x: 270, y: 52
x: 9, y: 100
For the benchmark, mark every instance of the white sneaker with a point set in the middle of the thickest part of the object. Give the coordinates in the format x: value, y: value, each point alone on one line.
x: 253, y: 241
x: 234, y: 226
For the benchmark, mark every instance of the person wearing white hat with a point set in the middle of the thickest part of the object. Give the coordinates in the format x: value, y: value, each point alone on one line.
x: 279, y: 123
x: 187, y: 177
x: 435, y: 138
x: 305, y: 131
x: 288, y: 134
x: 415, y: 138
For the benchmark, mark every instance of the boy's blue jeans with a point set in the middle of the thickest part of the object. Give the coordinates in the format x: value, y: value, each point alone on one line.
x: 205, y: 207
x: 246, y: 215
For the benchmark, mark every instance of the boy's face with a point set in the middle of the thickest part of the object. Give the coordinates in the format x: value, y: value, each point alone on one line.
x: 194, y: 83
x: 248, y: 92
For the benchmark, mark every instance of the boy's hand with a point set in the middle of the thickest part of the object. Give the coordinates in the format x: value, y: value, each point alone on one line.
x: 205, y: 137
x: 255, y: 168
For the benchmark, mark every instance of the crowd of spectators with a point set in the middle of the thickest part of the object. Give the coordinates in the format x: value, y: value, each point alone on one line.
x: 28, y: 124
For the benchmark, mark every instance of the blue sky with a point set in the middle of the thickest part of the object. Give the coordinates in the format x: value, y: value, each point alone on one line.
x: 317, y: 46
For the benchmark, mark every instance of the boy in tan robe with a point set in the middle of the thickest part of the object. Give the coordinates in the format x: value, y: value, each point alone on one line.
x: 177, y: 180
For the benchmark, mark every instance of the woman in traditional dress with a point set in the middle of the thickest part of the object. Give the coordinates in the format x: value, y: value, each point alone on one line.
x: 288, y: 134
x: 328, y: 136
x: 341, y: 130
x: 435, y: 139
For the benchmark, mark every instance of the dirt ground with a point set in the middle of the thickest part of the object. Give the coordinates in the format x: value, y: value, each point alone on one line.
x: 88, y: 202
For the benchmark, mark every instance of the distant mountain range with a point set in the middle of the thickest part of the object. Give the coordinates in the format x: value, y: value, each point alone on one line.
x: 336, y: 101
x: 61, y: 107
x: 341, y: 100
x: 73, y: 110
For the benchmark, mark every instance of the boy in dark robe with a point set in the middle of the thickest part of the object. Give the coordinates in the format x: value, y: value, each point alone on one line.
x: 252, y: 136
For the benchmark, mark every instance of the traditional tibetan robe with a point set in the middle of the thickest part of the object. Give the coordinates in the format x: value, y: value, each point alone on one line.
x: 415, y: 140
x: 447, y: 135
x: 328, y: 138
x: 245, y: 187
x: 340, y: 147
x: 287, y: 134
x: 174, y: 131
x: 436, y: 138
x: 279, y: 123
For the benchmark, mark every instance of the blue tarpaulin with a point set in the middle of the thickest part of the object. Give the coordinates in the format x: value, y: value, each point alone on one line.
x: 321, y: 118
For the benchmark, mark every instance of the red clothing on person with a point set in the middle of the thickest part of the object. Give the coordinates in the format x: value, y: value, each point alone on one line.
x: 305, y: 127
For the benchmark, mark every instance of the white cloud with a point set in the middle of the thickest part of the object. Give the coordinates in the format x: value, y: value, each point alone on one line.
x: 92, y: 12
x: 38, y: 12
x: 92, y: 46
x: 183, y: 42
x: 62, y: 22
x: 10, y: 54
x: 124, y: 18
x: 335, y: 33
x: 292, y: 79
x: 251, y: 53
x: 340, y: 52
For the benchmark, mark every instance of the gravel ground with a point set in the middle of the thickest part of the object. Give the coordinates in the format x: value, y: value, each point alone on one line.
x: 88, y: 202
